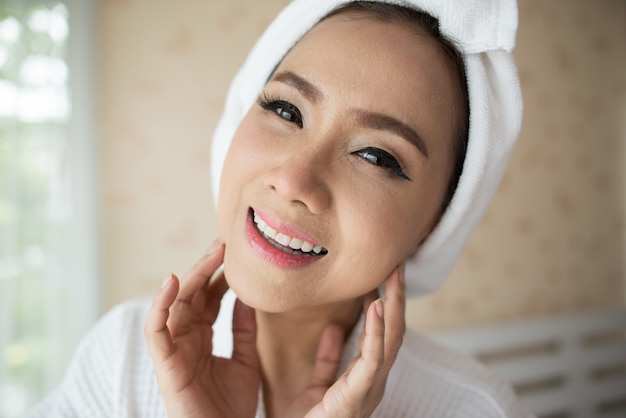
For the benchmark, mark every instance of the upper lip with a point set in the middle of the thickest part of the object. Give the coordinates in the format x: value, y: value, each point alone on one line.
x: 286, y: 229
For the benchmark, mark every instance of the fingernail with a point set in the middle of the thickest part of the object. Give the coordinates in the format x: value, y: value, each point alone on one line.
x: 214, y: 246
x: 380, y: 309
x: 166, y: 281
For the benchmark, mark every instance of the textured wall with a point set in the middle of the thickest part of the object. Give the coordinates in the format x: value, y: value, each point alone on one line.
x: 553, y: 240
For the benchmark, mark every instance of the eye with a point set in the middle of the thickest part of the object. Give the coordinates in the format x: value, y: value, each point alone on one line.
x: 382, y: 159
x: 282, y: 108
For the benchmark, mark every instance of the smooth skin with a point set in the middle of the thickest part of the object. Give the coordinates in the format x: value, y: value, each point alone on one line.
x: 195, y: 383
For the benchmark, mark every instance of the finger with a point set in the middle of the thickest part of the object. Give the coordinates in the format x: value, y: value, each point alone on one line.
x: 156, y: 332
x: 367, y: 301
x: 213, y: 298
x: 327, y: 361
x: 395, y: 308
x: 372, y: 357
x: 201, y: 272
x: 352, y: 392
x: 379, y: 345
x: 328, y: 357
x: 195, y: 284
x: 369, y: 298
x: 244, y: 335
x: 374, y: 341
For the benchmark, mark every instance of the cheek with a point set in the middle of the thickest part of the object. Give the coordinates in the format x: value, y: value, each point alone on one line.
x: 241, y: 182
x: 376, y: 238
x: 250, y: 153
x: 242, y: 163
x: 387, y: 230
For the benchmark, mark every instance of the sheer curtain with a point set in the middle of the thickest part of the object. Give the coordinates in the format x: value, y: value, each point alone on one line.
x: 48, y: 233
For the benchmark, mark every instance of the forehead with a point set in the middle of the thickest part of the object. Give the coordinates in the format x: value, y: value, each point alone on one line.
x: 354, y: 41
x: 386, y: 66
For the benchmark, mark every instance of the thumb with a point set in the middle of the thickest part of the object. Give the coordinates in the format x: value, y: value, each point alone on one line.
x: 244, y: 335
x: 327, y: 362
x: 328, y: 357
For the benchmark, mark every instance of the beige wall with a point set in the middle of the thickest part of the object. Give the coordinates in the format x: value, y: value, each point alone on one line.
x: 553, y: 240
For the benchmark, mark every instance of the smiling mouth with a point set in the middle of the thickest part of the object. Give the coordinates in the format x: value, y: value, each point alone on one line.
x: 286, y: 243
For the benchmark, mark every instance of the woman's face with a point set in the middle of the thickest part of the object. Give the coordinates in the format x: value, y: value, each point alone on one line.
x: 338, y: 173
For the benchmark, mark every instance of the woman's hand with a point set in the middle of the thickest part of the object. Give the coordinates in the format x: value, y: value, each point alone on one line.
x: 179, y: 333
x: 360, y: 389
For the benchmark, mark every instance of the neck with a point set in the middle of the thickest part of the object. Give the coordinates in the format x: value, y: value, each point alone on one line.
x: 287, y: 344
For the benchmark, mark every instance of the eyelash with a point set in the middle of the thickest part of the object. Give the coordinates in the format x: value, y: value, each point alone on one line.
x: 282, y: 108
x: 382, y: 159
x: 372, y: 155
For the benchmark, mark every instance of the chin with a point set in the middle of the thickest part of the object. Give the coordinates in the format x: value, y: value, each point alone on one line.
x: 254, y: 293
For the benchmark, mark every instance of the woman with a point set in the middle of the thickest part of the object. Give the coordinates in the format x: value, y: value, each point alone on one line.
x: 342, y: 154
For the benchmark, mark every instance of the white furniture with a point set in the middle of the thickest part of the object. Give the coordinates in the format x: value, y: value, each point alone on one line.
x: 566, y: 366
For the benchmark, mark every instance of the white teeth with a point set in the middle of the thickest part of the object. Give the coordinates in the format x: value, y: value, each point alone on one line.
x: 282, y: 239
x: 285, y: 240
x: 295, y: 243
x: 270, y: 232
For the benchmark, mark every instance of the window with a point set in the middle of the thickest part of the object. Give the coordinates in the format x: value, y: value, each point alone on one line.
x: 48, y: 263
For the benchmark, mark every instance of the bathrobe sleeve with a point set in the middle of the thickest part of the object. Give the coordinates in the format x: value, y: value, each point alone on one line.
x: 111, y: 373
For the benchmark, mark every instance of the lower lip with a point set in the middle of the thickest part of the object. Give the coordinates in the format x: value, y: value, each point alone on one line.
x: 271, y: 254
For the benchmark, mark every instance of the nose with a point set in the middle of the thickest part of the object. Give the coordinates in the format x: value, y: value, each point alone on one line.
x: 301, y: 178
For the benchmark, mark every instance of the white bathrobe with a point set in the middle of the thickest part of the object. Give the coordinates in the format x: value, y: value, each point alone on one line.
x: 112, y: 376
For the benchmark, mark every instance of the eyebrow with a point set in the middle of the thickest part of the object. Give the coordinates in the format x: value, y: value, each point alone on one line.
x: 383, y: 122
x: 305, y: 87
x: 368, y: 119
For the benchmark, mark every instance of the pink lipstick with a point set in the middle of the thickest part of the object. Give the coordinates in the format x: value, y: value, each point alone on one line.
x: 281, y: 246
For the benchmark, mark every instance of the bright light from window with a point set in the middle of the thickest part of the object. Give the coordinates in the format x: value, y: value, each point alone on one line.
x: 42, y: 70
x: 51, y: 21
x: 38, y: 198
x: 10, y: 29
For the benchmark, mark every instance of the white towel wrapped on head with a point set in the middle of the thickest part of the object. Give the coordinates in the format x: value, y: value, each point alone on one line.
x: 484, y: 31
